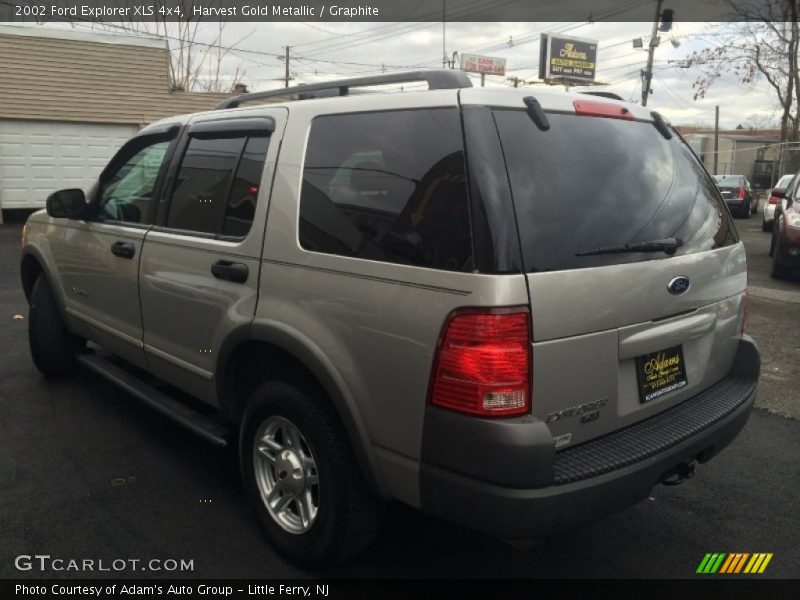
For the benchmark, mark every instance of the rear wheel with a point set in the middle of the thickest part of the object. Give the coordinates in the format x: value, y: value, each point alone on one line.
x: 766, y: 225
x: 302, y: 478
x: 53, y: 348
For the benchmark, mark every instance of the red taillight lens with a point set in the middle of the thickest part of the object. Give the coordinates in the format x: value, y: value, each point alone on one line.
x: 483, y: 363
x: 741, y: 192
x: 774, y: 199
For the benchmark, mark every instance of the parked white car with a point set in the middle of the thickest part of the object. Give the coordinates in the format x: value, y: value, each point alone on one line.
x: 774, y: 201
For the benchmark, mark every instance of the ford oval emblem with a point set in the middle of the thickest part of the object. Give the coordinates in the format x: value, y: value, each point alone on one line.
x: 679, y: 285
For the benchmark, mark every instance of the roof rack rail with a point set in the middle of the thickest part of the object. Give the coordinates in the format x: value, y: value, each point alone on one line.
x: 611, y: 95
x: 437, y: 79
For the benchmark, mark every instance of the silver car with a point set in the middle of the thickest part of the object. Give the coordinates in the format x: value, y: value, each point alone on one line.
x: 517, y: 310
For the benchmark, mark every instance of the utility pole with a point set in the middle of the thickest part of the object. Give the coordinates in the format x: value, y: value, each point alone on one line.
x: 286, y: 71
x: 444, y: 32
x: 648, y: 72
x: 716, y: 138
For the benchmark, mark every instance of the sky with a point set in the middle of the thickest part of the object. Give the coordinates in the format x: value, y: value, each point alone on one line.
x: 323, y: 51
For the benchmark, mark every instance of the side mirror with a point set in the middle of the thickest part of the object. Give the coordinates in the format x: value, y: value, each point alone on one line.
x: 69, y: 204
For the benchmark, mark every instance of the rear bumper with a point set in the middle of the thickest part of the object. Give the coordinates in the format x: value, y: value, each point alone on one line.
x: 519, y: 487
x: 737, y: 204
x: 769, y: 212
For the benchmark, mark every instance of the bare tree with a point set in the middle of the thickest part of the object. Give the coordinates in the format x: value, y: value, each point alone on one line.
x: 762, y: 47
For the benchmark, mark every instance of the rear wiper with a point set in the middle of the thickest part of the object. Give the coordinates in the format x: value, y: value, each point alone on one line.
x: 668, y: 246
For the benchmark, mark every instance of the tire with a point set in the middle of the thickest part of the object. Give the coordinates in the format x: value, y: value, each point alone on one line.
x: 347, y: 516
x: 773, y: 239
x: 53, y: 348
x: 779, y: 270
x: 766, y: 225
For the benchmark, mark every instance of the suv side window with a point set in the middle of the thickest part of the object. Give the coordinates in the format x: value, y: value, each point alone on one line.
x: 216, y: 189
x: 388, y: 186
x: 126, y: 194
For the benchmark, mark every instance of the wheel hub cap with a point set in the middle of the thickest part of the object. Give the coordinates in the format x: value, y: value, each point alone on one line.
x: 286, y: 475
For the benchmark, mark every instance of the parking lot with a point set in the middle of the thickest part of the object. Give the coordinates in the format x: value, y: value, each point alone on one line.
x: 86, y: 472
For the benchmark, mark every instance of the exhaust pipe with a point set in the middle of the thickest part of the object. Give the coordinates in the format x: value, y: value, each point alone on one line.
x: 679, y: 474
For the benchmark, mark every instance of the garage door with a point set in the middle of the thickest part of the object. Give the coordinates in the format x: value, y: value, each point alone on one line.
x: 39, y: 157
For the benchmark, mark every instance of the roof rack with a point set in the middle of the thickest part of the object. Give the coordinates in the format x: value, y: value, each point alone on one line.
x: 437, y: 79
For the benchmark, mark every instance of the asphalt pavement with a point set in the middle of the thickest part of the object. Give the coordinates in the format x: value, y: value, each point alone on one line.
x: 88, y: 473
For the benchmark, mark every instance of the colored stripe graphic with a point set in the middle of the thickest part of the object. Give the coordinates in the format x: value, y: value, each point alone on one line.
x: 733, y: 563
x: 764, y: 564
x: 741, y: 562
x: 732, y: 558
x: 703, y: 563
x: 711, y: 563
x: 716, y: 565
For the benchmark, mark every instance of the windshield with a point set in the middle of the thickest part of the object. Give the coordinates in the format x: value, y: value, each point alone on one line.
x: 591, y: 183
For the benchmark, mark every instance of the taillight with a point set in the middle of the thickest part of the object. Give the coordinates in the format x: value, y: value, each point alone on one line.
x: 741, y: 192
x: 483, y: 363
x: 774, y: 199
x: 745, y: 309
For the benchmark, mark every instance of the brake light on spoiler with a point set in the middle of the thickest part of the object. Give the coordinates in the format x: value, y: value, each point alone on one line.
x: 590, y: 108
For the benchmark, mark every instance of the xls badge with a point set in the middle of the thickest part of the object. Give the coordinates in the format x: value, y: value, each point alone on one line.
x: 580, y: 409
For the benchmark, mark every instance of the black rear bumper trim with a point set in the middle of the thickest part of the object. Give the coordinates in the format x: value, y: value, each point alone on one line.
x: 653, y: 436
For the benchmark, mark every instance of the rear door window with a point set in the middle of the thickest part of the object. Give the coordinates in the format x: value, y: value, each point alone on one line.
x: 590, y: 183
x: 388, y: 186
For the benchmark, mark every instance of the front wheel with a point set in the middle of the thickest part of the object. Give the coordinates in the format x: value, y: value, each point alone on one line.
x: 302, y: 479
x: 53, y: 347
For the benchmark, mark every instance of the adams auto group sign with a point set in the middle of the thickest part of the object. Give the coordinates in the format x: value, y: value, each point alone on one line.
x: 568, y: 58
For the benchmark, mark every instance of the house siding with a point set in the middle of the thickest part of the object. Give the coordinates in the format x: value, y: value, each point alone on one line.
x: 72, y: 80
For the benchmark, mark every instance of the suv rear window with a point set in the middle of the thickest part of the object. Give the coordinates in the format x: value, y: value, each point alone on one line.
x: 388, y: 186
x: 590, y: 183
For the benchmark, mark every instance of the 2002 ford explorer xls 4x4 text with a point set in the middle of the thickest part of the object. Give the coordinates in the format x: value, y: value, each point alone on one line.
x: 515, y: 310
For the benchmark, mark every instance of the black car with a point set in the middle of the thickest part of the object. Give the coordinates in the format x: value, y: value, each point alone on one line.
x: 737, y: 193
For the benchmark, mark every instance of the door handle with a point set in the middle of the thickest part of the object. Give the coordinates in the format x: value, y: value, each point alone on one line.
x: 123, y: 249
x: 230, y: 271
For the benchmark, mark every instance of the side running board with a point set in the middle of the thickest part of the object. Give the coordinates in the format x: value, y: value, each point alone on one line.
x: 180, y: 413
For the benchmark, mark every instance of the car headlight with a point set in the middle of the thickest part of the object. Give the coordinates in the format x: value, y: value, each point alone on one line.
x: 793, y: 220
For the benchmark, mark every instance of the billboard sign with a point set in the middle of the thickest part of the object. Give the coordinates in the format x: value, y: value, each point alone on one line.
x: 567, y: 57
x: 474, y: 63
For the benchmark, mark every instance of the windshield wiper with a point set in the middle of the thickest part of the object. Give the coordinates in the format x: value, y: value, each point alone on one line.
x: 668, y: 246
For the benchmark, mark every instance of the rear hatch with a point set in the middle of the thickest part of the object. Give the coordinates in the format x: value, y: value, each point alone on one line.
x: 620, y: 334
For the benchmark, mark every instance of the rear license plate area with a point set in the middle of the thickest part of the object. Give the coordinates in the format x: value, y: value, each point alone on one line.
x: 660, y: 373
